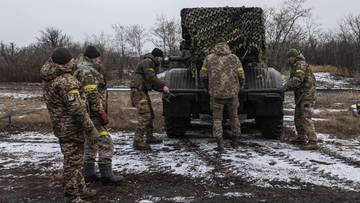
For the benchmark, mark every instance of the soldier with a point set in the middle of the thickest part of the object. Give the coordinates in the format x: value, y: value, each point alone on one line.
x: 69, y: 119
x: 225, y: 76
x: 302, y: 82
x: 143, y: 81
x: 90, y: 74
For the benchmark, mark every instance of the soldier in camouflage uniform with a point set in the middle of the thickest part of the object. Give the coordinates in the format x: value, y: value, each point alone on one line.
x: 302, y: 82
x: 142, y: 81
x: 225, y: 76
x: 70, y: 120
x: 90, y: 74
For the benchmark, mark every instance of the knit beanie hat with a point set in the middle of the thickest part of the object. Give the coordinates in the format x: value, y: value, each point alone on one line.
x: 91, y: 52
x: 61, y: 56
x: 157, y: 52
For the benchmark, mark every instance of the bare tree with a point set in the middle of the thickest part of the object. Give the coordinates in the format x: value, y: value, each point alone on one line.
x: 101, y: 41
x: 8, y: 52
x: 120, y: 38
x: 136, y: 38
x: 166, y: 34
x: 351, y: 25
x: 284, y: 28
x: 52, y: 37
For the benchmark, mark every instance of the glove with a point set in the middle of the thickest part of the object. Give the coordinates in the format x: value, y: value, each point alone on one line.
x: 283, y: 88
x: 104, y: 118
x: 92, y: 136
x: 166, y: 90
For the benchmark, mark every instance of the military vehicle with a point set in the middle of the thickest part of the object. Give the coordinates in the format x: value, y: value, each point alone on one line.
x: 244, y: 30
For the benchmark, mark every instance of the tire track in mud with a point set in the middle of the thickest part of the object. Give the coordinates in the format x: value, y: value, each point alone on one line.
x: 309, y: 166
x: 222, y: 174
x: 344, y: 159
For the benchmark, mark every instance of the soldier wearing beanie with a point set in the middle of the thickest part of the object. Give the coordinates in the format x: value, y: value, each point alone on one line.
x: 61, y: 56
x: 93, y: 83
x: 302, y: 82
x: 142, y: 82
x: 91, y: 52
x: 70, y: 120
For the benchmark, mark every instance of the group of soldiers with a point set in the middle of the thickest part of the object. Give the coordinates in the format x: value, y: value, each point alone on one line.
x: 75, y: 95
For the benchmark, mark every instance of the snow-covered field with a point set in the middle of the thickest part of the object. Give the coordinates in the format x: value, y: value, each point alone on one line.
x: 261, y: 162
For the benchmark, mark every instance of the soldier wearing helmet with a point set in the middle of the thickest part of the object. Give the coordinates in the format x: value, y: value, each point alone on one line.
x: 302, y: 82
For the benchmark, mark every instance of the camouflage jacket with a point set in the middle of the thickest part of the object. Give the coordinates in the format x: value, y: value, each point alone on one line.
x: 302, y: 81
x: 224, y: 72
x: 66, y: 106
x: 145, y: 75
x: 93, y: 84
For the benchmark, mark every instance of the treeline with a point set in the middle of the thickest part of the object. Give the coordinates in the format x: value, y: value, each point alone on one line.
x: 121, y: 50
x: 291, y: 25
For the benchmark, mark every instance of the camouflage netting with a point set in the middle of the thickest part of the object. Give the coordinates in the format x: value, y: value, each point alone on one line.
x: 240, y: 27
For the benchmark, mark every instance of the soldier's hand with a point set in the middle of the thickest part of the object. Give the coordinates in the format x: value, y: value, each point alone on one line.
x: 166, y: 90
x: 104, y: 118
x: 282, y: 88
x: 93, y: 136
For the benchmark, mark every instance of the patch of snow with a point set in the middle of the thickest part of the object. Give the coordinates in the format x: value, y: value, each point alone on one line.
x: 163, y: 157
x: 289, y: 109
x: 146, y: 201
x: 325, y: 81
x: 238, y: 194
x: 41, y: 151
x: 319, y: 119
x: 319, y: 111
x: 23, y: 96
x: 290, y: 119
x: 180, y: 199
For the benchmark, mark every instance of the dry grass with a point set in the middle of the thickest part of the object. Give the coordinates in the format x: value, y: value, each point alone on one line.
x: 343, y: 72
x: 343, y: 125
x: 331, y: 100
x: 324, y: 68
x: 123, y: 116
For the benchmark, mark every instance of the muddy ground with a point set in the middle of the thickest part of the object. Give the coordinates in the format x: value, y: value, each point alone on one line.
x: 188, y: 169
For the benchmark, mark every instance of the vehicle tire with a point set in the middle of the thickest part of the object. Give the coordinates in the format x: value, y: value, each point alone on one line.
x: 271, y: 127
x: 176, y: 127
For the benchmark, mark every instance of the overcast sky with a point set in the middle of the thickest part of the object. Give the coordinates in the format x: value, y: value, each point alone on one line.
x: 22, y: 20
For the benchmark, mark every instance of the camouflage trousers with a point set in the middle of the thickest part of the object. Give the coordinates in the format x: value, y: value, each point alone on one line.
x: 141, y: 100
x: 104, y: 147
x: 232, y: 106
x: 73, y: 151
x: 303, y: 123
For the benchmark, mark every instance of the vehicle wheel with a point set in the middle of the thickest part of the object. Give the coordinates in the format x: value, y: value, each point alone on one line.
x: 176, y: 126
x: 271, y: 127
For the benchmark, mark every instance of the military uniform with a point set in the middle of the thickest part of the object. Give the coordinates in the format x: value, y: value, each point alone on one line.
x: 225, y: 76
x: 93, y: 84
x: 302, y: 82
x: 69, y: 118
x: 144, y: 80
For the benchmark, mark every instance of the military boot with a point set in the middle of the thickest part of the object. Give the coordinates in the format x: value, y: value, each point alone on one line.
x: 298, y: 141
x: 140, y: 144
x: 89, y: 173
x: 107, y: 175
x: 151, y: 139
x: 234, y: 141
x: 87, y: 193
x: 220, y: 143
x: 311, y: 145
